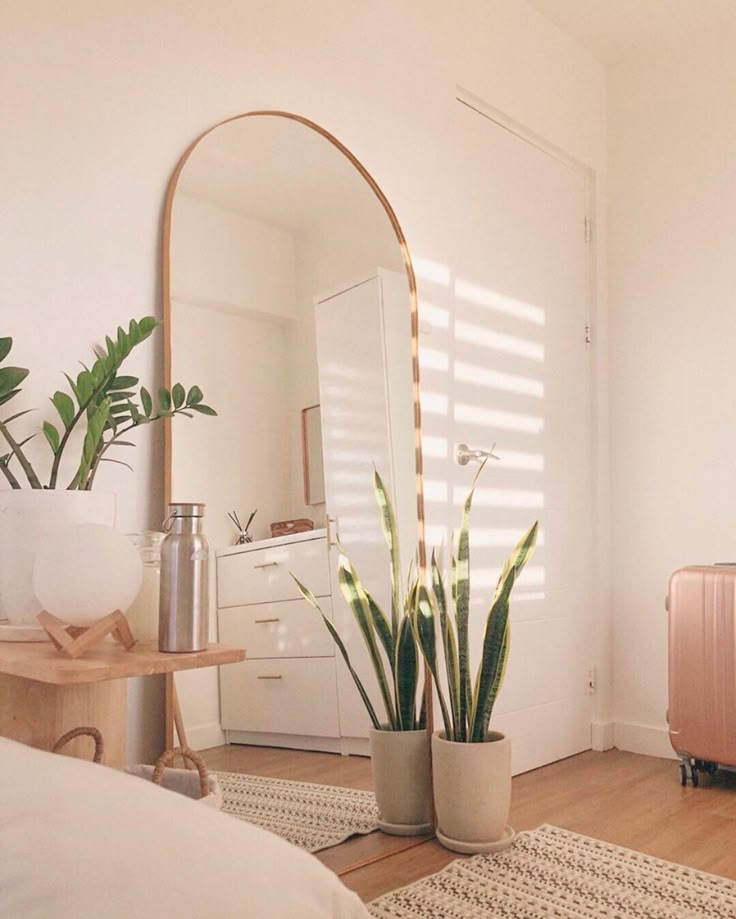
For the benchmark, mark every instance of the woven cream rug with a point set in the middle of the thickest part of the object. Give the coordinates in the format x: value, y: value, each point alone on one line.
x: 311, y: 816
x: 551, y: 873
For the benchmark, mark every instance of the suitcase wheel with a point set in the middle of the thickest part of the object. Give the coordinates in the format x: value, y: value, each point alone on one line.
x: 683, y: 775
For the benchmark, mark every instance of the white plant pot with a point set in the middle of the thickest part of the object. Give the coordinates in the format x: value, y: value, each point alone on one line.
x: 27, y: 517
x: 472, y: 793
x: 401, y: 781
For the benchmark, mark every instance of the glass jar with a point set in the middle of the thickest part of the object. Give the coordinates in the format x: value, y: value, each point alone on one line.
x: 142, y: 616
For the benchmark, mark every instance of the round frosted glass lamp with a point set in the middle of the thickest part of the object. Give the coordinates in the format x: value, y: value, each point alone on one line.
x: 86, y: 572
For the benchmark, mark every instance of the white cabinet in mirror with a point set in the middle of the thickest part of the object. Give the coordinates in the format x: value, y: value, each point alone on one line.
x: 289, y: 291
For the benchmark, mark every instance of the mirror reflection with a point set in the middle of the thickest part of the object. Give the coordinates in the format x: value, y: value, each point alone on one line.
x: 290, y: 304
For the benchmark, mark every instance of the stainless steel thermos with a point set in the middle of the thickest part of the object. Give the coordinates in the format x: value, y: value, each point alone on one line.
x: 184, y: 600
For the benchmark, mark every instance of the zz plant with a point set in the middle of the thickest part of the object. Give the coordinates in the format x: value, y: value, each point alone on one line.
x: 390, y: 641
x: 104, y: 402
x: 471, y: 703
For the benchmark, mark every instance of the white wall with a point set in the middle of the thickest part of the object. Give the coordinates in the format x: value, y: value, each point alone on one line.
x: 672, y: 134
x: 227, y: 261
x: 105, y: 99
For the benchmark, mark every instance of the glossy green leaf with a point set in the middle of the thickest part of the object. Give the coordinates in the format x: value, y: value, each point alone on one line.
x: 203, y: 410
x: 178, y: 395
x: 8, y: 396
x: 122, y: 382
x: 194, y: 396
x: 98, y: 372
x: 65, y: 407
x: 11, y: 378
x: 5, y: 345
x: 85, y: 388
x: 52, y: 436
x: 120, y: 408
x: 147, y: 325
x: 146, y: 401
x: 164, y: 399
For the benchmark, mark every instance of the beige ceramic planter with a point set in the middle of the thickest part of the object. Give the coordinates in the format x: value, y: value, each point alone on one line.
x: 472, y: 793
x: 401, y: 781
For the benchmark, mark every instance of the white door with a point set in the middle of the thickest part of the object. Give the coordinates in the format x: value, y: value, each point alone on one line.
x: 508, y: 364
x: 365, y: 380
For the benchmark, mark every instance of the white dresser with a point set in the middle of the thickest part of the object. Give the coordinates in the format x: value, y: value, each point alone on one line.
x: 285, y: 692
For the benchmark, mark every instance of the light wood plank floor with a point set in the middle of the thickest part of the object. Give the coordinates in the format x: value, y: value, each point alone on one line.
x: 629, y: 800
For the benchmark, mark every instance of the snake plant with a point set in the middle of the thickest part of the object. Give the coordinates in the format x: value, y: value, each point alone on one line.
x: 390, y: 640
x: 471, y: 704
x: 103, y: 401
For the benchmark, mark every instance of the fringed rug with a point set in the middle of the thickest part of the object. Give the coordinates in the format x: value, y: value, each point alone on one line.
x: 551, y: 873
x: 311, y: 816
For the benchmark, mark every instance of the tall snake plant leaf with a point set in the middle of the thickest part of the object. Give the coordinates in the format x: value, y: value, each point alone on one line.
x: 310, y: 598
x: 407, y: 675
x: 461, y: 597
x: 449, y: 643
x: 391, y: 535
x: 383, y: 629
x: 426, y: 630
x: 496, y: 640
x: 353, y: 591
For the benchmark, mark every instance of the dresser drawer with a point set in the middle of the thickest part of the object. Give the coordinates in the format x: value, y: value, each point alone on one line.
x: 283, y: 696
x: 290, y: 628
x: 263, y: 575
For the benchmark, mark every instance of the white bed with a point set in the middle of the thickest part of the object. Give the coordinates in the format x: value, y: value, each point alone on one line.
x: 79, y: 841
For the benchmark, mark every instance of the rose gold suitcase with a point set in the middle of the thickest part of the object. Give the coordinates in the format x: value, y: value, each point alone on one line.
x: 702, y: 668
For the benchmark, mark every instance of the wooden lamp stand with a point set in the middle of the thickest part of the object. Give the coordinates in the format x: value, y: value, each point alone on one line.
x: 73, y: 640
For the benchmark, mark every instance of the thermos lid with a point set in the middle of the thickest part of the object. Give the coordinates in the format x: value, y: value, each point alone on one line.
x: 186, y: 510
x: 179, y: 510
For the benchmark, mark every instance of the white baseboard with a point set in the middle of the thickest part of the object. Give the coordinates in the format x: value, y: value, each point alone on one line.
x: 347, y: 746
x: 204, y: 736
x: 602, y: 735
x: 643, y: 738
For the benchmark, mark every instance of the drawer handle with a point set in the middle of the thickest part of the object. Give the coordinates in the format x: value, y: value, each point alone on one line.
x: 274, y: 619
x: 266, y: 565
x: 276, y: 676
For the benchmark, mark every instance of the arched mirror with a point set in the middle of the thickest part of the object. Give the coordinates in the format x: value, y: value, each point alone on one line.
x: 289, y: 297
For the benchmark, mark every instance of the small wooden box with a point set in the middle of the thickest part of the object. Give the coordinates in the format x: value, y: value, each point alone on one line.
x: 287, y: 527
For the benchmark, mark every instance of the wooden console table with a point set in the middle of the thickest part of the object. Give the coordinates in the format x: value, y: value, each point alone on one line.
x: 43, y: 695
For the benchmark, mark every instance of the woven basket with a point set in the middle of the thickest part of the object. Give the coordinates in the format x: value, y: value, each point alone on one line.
x: 199, y: 785
x: 80, y: 732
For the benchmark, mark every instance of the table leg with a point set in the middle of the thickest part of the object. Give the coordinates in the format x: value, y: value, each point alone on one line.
x: 38, y: 714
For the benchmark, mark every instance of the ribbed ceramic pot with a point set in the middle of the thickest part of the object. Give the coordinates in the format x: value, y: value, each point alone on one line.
x: 27, y: 517
x: 472, y: 793
x: 401, y: 781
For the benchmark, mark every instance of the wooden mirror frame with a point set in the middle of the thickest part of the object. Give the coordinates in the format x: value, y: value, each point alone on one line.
x: 172, y: 711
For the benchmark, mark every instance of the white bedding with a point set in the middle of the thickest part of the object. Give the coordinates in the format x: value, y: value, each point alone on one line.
x: 79, y: 841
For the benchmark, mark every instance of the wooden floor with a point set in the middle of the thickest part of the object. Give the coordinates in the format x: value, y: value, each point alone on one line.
x: 629, y: 800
